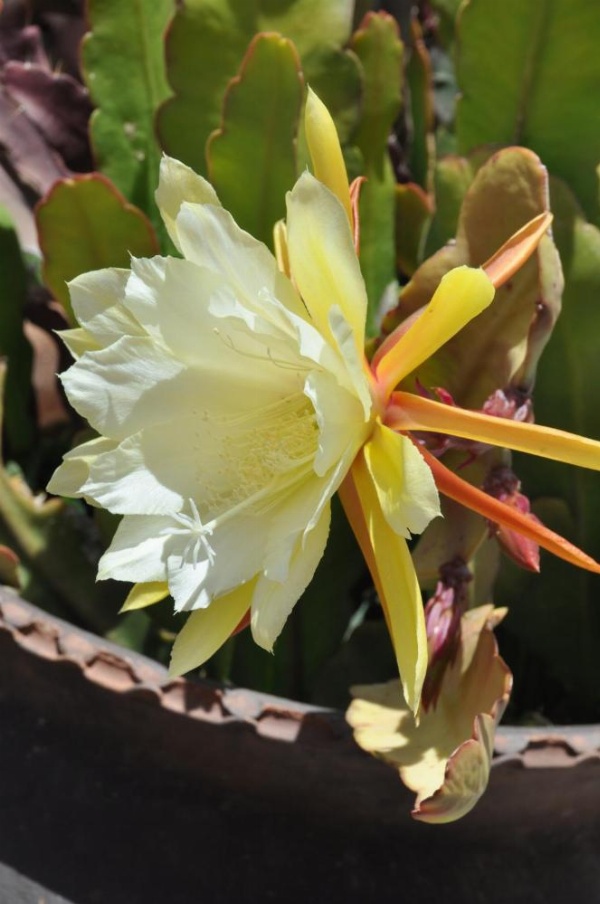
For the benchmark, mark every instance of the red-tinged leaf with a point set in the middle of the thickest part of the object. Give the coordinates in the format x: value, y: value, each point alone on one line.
x: 9, y: 567
x: 446, y: 758
x: 57, y: 105
x: 33, y: 160
x: 85, y: 224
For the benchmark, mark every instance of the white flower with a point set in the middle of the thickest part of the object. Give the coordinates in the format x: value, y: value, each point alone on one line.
x: 229, y: 408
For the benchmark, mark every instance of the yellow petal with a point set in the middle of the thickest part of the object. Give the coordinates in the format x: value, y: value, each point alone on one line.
x: 325, y: 151
x: 404, y: 484
x: 462, y: 294
x: 142, y: 595
x: 281, y: 249
x: 322, y: 258
x: 396, y: 584
x: 206, y: 630
x: 274, y: 600
x: 411, y: 412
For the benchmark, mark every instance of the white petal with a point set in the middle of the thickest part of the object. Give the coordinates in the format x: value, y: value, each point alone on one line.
x: 178, y: 183
x: 70, y: 476
x: 136, y: 552
x: 128, y: 385
x: 147, y: 474
x: 237, y: 554
x: 340, y: 417
x: 78, y: 341
x: 196, y: 314
x: 211, y: 238
x: 97, y: 302
x: 273, y: 600
x: 353, y: 357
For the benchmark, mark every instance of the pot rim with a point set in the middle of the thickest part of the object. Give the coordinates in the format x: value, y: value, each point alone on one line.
x: 123, y: 671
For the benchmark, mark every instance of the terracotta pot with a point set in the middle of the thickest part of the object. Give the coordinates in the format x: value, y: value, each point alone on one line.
x: 121, y: 786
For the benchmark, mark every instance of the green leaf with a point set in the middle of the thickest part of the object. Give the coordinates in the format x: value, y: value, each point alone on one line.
x: 413, y: 215
x: 447, y: 11
x: 420, y: 85
x: 252, y: 157
x: 452, y: 177
x: 529, y: 74
x: 18, y: 418
x: 557, y: 614
x: 124, y: 68
x: 378, y: 46
x: 205, y: 46
x: 85, y: 224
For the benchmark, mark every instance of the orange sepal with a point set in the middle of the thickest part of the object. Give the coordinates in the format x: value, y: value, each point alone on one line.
x: 458, y: 489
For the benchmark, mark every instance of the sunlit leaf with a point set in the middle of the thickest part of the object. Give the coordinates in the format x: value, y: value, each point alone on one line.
x: 255, y: 146
x: 378, y: 46
x: 205, y: 47
x: 529, y: 73
x: 123, y: 63
x: 446, y: 759
x: 85, y: 224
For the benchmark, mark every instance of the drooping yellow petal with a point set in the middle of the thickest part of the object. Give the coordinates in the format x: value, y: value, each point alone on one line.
x: 325, y: 151
x: 207, y: 629
x: 462, y: 294
x: 395, y: 580
x: 411, y: 412
x: 404, y: 484
x: 142, y: 595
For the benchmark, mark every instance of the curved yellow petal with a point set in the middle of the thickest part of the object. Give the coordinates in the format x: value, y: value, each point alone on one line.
x: 462, y: 294
x: 274, y: 600
x: 142, y: 595
x: 411, y: 412
x: 207, y: 629
x: 322, y: 258
x: 404, y: 484
x: 394, y: 576
x: 325, y: 151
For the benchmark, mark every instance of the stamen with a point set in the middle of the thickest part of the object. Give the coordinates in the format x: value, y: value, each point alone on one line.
x: 285, y: 365
x: 198, y: 532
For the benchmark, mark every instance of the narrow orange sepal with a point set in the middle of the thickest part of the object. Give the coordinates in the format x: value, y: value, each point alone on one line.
x: 458, y: 489
x: 505, y: 262
x: 355, y: 187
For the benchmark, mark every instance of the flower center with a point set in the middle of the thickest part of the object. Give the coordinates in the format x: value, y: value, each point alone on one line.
x: 262, y: 454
